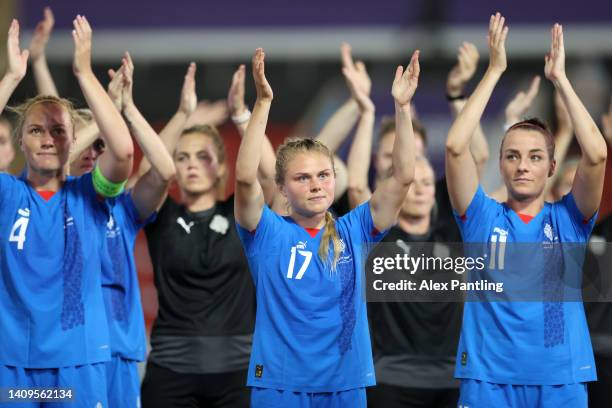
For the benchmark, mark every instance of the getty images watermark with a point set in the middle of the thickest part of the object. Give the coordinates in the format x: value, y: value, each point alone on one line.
x: 411, y: 265
x: 456, y: 272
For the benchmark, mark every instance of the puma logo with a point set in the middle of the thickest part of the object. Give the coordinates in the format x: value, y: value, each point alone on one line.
x: 187, y: 227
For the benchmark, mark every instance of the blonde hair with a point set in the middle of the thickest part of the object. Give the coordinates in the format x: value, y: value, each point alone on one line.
x: 22, y: 111
x: 287, y: 152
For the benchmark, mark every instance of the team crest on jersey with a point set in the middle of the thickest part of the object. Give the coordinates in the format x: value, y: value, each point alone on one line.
x: 219, y: 224
x: 548, y: 232
x: 345, y: 256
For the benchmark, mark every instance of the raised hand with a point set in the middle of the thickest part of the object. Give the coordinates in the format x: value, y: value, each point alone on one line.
x: 522, y: 102
x: 115, y: 86
x: 358, y: 70
x: 554, y: 60
x: 497, y: 43
x: 463, y: 71
x: 235, y: 96
x: 355, y: 84
x: 189, y: 99
x: 82, y: 46
x: 41, y: 36
x: 406, y: 81
x: 263, y: 88
x: 127, y: 81
x: 606, y: 121
x: 17, y: 59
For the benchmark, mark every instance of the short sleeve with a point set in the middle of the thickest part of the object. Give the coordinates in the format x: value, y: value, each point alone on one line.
x: 360, y: 219
x: 85, y: 186
x: 7, y: 183
x: 270, y: 224
x: 156, y: 229
x: 479, y: 210
x: 569, y: 214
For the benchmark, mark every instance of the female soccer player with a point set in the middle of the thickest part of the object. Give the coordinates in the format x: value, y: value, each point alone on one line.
x: 51, y: 308
x: 515, y: 112
x: 128, y: 213
x: 42, y: 33
x: 202, y: 336
x: 311, y: 346
x: 411, y: 369
x: 89, y: 145
x: 414, y: 343
x: 525, y: 354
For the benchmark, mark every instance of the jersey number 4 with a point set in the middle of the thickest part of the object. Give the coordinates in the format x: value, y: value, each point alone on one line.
x: 18, y: 233
x: 307, y: 257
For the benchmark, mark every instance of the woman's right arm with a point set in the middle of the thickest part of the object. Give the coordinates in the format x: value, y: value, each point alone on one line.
x: 116, y: 164
x: 40, y: 68
x: 150, y: 190
x: 171, y: 133
x: 461, y: 171
x: 17, y: 65
x: 238, y: 111
x: 249, y: 199
x: 358, y: 163
x: 458, y: 77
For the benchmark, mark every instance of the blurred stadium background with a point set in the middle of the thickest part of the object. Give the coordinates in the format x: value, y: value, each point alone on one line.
x: 303, y: 64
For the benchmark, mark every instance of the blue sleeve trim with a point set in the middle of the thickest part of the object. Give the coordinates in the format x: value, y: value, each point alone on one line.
x: 253, y: 240
x: 581, y: 224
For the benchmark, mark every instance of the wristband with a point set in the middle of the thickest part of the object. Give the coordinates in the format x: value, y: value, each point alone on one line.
x: 105, y: 187
x: 451, y: 98
x: 242, y: 118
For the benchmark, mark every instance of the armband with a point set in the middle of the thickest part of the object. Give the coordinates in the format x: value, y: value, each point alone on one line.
x: 105, y: 187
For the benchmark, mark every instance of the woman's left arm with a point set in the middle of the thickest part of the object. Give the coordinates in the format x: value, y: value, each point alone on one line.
x: 389, y: 195
x: 588, y: 183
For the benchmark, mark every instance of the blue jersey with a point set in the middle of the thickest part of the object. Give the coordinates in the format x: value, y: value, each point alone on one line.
x: 311, y: 328
x: 525, y: 343
x: 51, y: 307
x: 120, y: 279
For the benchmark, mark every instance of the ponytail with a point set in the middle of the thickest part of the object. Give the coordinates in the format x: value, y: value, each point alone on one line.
x: 330, y: 235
